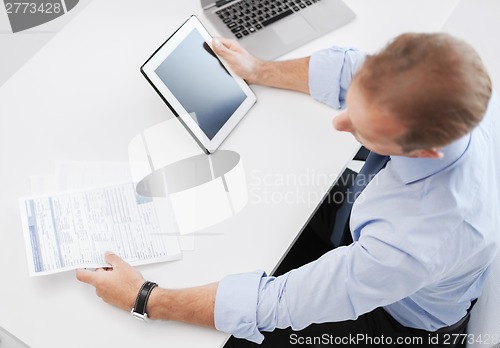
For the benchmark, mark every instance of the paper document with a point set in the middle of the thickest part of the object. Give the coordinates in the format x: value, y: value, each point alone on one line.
x: 74, y: 229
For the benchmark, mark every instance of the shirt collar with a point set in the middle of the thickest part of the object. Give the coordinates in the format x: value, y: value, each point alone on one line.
x: 414, y: 169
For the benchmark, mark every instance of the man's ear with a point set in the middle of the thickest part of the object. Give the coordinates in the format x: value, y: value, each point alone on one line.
x: 426, y: 153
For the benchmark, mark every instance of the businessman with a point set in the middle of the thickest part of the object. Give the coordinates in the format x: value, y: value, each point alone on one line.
x: 424, y: 225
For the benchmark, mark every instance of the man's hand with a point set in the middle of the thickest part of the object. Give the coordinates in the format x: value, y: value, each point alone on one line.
x: 239, y: 60
x: 117, y: 285
x: 292, y: 74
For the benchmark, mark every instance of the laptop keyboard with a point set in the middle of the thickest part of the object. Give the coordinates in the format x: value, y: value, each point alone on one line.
x: 246, y: 17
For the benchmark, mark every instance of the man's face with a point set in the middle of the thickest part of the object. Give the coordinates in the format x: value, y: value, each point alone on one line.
x: 371, y: 127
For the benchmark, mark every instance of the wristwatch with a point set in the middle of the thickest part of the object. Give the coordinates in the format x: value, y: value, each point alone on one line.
x: 139, y: 310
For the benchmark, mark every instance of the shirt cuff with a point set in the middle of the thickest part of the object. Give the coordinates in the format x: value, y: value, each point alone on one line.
x: 330, y: 74
x: 235, y: 309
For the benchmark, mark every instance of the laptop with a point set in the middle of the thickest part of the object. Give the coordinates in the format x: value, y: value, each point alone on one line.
x: 270, y: 28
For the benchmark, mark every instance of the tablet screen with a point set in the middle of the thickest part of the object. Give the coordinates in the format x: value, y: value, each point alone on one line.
x: 203, y: 93
x: 201, y: 84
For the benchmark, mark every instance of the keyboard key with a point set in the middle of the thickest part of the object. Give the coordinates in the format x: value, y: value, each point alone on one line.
x: 277, y: 18
x: 245, y: 17
x: 238, y: 28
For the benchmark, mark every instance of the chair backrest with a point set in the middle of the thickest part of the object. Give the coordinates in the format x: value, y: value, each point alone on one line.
x: 484, y: 324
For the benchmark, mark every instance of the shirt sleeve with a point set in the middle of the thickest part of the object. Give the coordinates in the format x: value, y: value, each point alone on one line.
x: 330, y: 74
x: 341, y: 285
x: 235, y: 309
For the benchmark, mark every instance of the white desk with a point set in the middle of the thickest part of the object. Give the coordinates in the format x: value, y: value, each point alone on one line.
x: 73, y: 102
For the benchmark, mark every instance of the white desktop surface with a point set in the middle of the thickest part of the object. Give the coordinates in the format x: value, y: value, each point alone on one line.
x: 82, y: 98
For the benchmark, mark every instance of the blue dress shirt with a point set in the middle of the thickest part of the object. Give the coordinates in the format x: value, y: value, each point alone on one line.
x: 425, y: 232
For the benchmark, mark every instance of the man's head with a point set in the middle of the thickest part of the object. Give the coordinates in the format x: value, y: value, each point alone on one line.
x: 419, y: 94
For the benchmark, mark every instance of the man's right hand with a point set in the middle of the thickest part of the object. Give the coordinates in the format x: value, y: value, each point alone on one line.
x: 292, y: 74
x: 239, y: 60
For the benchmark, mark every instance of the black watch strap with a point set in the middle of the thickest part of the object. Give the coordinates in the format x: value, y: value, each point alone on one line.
x: 139, y: 310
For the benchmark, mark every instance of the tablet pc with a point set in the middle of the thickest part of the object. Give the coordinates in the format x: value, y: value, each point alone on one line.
x: 201, y: 91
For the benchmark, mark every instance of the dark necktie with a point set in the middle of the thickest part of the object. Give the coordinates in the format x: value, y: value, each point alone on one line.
x: 374, y: 163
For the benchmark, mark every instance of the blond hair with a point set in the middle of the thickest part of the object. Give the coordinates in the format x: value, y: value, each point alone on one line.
x: 434, y: 84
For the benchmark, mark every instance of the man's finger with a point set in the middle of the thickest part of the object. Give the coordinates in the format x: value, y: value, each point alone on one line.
x: 229, y: 43
x: 86, y: 276
x: 113, y: 259
x: 218, y: 46
x: 224, y: 46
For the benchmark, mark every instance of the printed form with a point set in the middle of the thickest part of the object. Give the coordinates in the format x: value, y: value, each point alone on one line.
x: 74, y: 229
